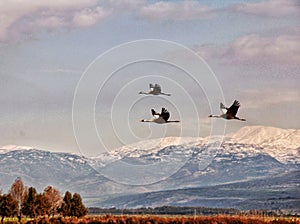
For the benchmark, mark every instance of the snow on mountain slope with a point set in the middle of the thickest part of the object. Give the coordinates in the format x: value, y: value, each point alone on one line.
x: 154, y: 145
x: 39, y: 168
x: 268, y: 136
x: 282, y: 144
x: 193, y: 162
x: 7, y: 148
x: 144, y: 149
x: 64, y: 171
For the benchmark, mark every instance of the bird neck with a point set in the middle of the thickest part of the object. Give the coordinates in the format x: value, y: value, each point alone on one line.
x: 217, y: 116
x: 146, y: 120
x: 240, y: 119
x: 173, y: 121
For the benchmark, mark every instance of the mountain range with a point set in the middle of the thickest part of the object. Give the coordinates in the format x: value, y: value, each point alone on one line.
x: 255, y: 166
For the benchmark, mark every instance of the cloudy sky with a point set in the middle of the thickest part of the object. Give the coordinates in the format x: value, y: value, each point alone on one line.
x: 252, y: 49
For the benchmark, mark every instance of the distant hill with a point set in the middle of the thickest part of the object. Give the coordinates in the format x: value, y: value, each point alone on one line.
x: 281, y: 192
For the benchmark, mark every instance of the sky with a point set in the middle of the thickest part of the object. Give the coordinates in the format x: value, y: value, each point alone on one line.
x: 55, y: 53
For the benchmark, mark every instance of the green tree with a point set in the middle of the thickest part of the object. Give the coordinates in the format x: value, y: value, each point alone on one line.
x: 67, y: 204
x: 8, y: 206
x: 78, y: 208
x: 18, y: 192
x: 29, y: 205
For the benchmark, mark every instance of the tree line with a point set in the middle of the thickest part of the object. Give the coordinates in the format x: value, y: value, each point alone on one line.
x: 165, y: 210
x: 26, y: 201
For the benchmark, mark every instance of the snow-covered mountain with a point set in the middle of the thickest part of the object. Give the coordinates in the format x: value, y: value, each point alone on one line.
x: 281, y: 144
x: 158, y: 164
x: 7, y: 148
x: 40, y: 167
x: 268, y: 136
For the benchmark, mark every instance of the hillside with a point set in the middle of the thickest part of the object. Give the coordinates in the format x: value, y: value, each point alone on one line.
x: 273, y: 193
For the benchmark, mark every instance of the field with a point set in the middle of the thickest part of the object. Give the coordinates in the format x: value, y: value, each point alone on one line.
x: 155, y: 219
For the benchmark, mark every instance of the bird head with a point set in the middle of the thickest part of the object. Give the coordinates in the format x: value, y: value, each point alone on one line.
x: 210, y: 116
x: 142, y: 120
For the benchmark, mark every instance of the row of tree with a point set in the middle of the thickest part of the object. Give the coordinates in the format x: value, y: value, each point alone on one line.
x: 166, y: 210
x: 23, y: 201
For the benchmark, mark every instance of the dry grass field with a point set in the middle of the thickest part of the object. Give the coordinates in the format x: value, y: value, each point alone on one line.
x: 154, y: 219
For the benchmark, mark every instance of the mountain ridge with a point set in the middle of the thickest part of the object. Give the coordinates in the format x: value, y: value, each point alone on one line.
x: 231, y: 162
x: 248, y: 134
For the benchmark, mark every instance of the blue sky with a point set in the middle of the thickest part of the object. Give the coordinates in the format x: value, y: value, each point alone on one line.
x: 252, y: 47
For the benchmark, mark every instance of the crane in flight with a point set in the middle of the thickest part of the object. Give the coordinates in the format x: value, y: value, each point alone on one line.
x: 160, y: 118
x: 229, y: 113
x: 155, y: 89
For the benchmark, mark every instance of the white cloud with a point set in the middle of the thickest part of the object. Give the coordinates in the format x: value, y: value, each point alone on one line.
x: 270, y: 8
x: 175, y: 10
x: 49, y: 23
x: 89, y: 17
x: 283, y: 49
x: 30, y: 15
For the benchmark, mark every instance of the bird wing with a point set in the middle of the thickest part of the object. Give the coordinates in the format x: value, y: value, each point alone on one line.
x: 151, y: 86
x: 157, y: 88
x: 232, y: 111
x: 223, y: 108
x: 165, y: 114
x: 155, y: 114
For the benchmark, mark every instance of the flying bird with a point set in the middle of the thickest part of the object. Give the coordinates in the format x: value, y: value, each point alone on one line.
x: 161, y: 118
x: 155, y: 89
x: 229, y: 113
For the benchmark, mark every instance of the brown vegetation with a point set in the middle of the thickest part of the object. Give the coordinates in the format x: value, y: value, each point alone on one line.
x: 152, y: 219
x: 22, y: 201
x: 49, y: 207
